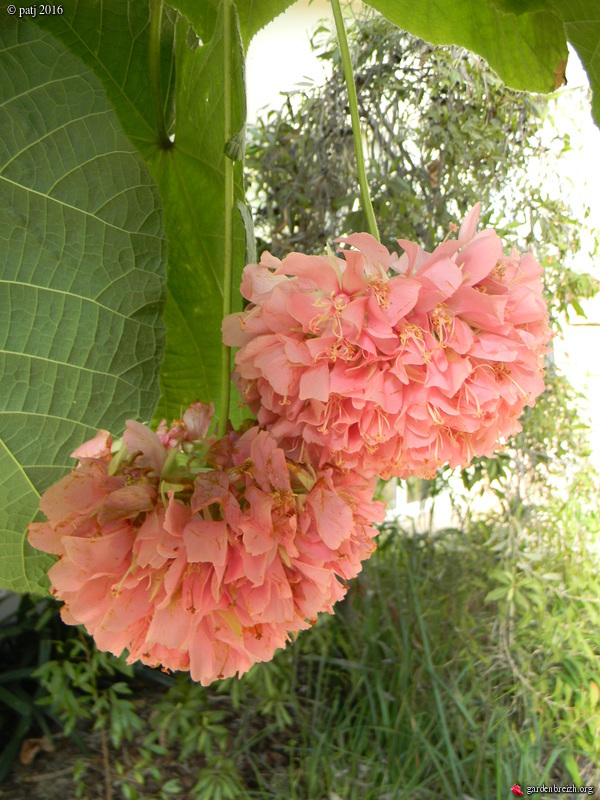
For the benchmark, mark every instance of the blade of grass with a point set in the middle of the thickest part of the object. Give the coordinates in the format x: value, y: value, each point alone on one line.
x: 453, y: 762
x: 11, y: 750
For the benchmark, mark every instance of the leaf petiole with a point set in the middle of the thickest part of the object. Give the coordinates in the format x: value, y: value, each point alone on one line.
x: 228, y: 248
x: 154, y: 55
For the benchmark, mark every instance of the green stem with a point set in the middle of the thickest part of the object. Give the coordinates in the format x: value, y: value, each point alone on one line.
x: 353, y: 103
x: 155, y: 25
x: 228, y: 250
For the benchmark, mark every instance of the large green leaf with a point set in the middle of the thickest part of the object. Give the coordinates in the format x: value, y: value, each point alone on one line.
x: 191, y: 178
x: 581, y: 19
x: 190, y: 174
x: 255, y: 14
x: 523, y: 40
x: 81, y: 279
x: 524, y: 50
x: 582, y: 26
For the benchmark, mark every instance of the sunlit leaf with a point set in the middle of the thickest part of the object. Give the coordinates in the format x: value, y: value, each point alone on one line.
x: 191, y: 179
x: 252, y: 14
x: 524, y: 50
x: 582, y: 29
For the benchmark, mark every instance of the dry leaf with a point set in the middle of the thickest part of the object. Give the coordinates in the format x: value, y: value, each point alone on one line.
x: 560, y: 78
x: 31, y: 747
x: 433, y: 169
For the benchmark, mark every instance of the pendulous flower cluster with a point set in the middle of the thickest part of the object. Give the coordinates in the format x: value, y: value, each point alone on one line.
x: 392, y: 365
x: 204, y: 554
x: 201, y: 554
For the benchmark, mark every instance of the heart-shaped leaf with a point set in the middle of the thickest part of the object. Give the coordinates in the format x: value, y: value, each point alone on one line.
x: 82, y: 279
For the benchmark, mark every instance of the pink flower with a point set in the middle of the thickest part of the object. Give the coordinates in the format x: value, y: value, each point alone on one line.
x: 98, y: 447
x: 392, y: 365
x: 202, y: 555
x: 194, y: 425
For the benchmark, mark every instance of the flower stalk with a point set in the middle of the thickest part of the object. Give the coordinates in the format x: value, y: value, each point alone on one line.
x: 154, y: 53
x: 228, y: 245
x: 353, y: 104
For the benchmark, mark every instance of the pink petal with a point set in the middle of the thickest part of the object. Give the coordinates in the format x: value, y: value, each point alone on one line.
x: 333, y: 516
x: 258, y: 280
x: 402, y: 295
x: 469, y: 224
x: 170, y: 627
x: 486, y: 311
x: 202, y: 655
x: 258, y: 528
x: 177, y: 517
x: 147, y: 540
x: 495, y: 348
x: 45, y: 537
x: 101, y: 555
x: 301, y: 307
x: 206, y: 540
x: 137, y: 438
x: 232, y: 331
x: 174, y: 574
x: 270, y: 468
x: 353, y: 278
x: 313, y: 270
x: 272, y: 361
x: 255, y: 567
x: 314, y: 383
x: 66, y: 577
x: 479, y: 257
x: 127, y: 502
x: 375, y: 253
x: 444, y: 275
x: 80, y: 493
x: 197, y: 419
x: 98, y: 447
x: 412, y: 258
x: 90, y: 603
x: 209, y: 487
x: 448, y: 373
x: 129, y: 607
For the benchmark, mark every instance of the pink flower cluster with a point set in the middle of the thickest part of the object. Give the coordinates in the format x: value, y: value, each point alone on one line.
x: 201, y: 554
x: 392, y: 365
x: 207, y: 554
